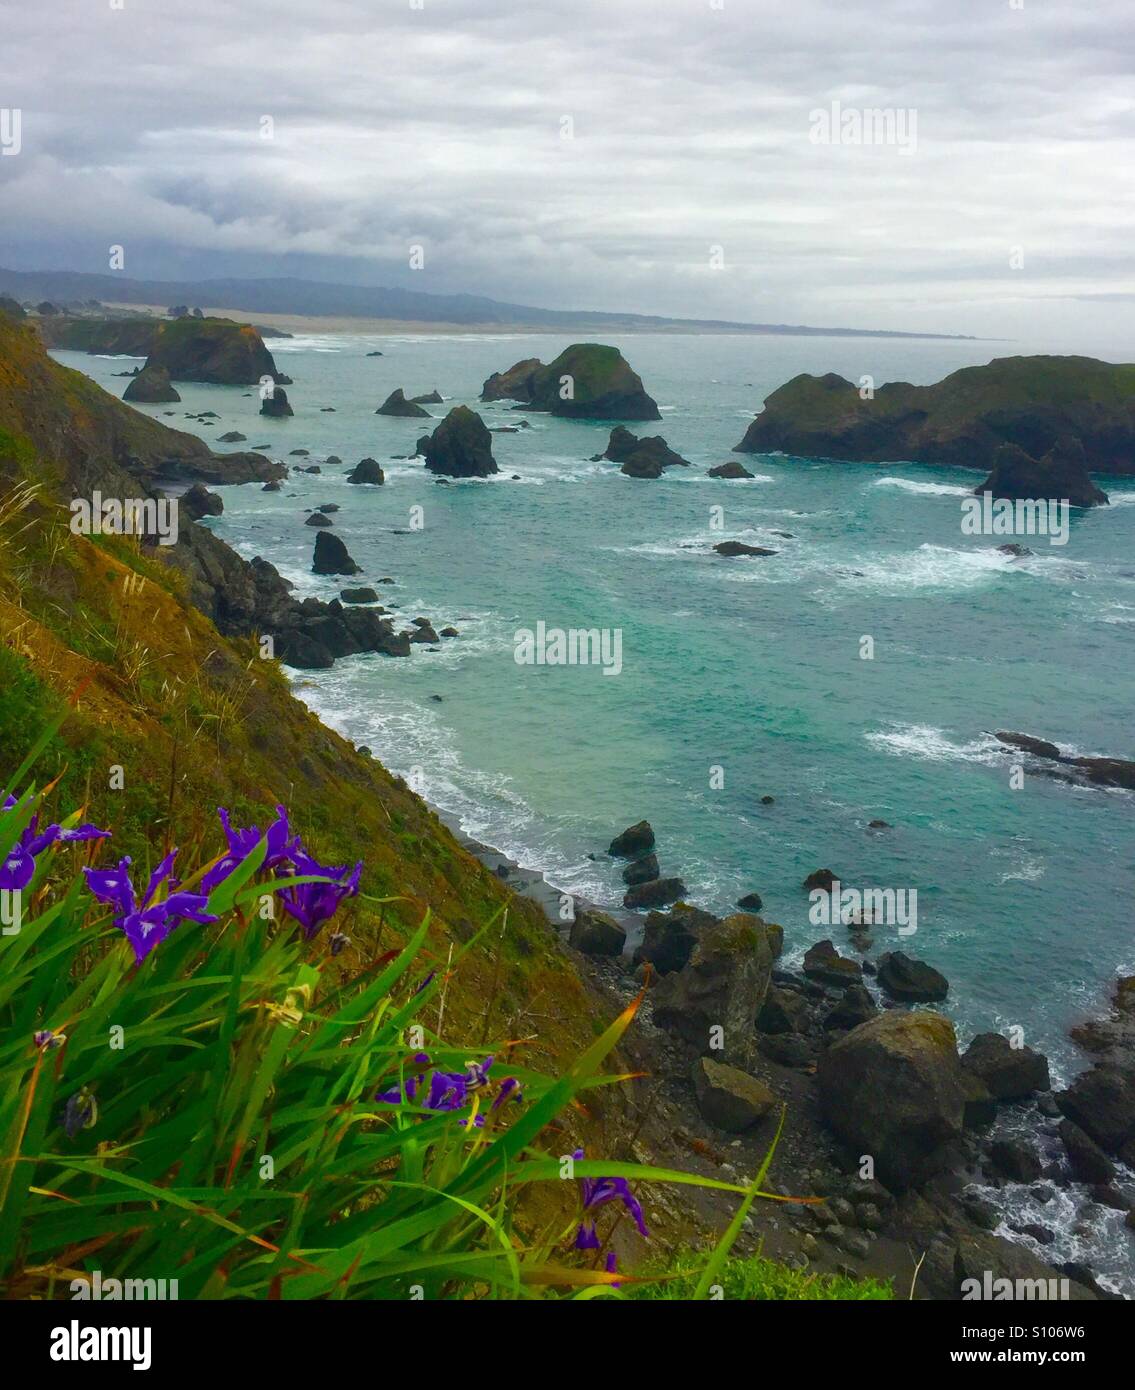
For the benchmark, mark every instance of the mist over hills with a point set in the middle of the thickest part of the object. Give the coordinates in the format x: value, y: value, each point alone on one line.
x: 283, y: 295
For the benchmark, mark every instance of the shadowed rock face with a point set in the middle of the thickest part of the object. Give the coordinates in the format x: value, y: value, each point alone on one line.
x: 641, y: 458
x: 331, y: 557
x: 587, y: 381
x: 460, y: 447
x: 276, y: 404
x: 1061, y: 474
x: 1035, y: 403
x: 397, y: 404
x: 151, y: 386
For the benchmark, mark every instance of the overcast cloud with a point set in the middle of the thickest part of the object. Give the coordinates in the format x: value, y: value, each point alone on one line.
x: 441, y: 126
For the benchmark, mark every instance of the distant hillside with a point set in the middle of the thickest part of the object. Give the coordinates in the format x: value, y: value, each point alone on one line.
x: 309, y: 297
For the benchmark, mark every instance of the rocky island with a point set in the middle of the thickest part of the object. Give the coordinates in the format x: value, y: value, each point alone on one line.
x: 587, y: 381
x: 1035, y: 404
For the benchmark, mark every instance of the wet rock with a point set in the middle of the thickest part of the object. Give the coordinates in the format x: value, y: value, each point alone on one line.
x: 823, y: 879
x: 1088, y: 1161
x: 317, y: 519
x: 732, y: 469
x: 276, y: 404
x: 397, y: 404
x: 855, y: 1007
x: 751, y: 902
x: 669, y: 938
x: 642, y: 870
x: 635, y: 841
x: 1102, y: 1102
x: 198, y: 501
x: 1015, y: 1159
x: 911, y: 980
x: 367, y: 471
x: 331, y: 556
x: 657, y: 893
x: 1008, y: 1072
x: 152, y: 386
x: 460, y: 447
x: 823, y: 962
x: 358, y: 595
x: 732, y: 549
x: 588, y: 381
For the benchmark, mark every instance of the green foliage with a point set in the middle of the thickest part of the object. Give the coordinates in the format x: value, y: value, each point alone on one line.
x: 754, y: 1279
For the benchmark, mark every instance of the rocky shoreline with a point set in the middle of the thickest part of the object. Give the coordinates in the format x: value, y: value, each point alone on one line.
x: 866, y: 1073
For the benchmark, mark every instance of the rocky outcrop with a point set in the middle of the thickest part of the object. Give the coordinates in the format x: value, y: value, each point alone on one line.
x: 728, y: 1098
x: 198, y: 501
x: 331, y: 557
x: 151, y: 386
x: 732, y: 549
x: 1098, y: 771
x: 732, y: 469
x: 587, y: 381
x: 654, y: 893
x: 460, y: 447
x: 367, y: 471
x: 1035, y: 403
x: 910, y: 980
x: 1061, y: 475
x: 362, y: 594
x: 892, y: 1088
x: 824, y: 963
x: 1007, y: 1072
x: 669, y: 938
x: 433, y: 397
x: 641, y: 870
x: 275, y: 403
x: 213, y: 350
x: 636, y: 840
x: 397, y: 404
x: 597, y: 934
x: 713, y: 1001
x: 641, y: 458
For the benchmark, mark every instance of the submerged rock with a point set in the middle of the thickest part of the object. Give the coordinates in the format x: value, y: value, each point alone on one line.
x: 461, y: 446
x: 731, y: 549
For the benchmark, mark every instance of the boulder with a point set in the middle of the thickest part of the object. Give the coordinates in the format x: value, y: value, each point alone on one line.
x: 751, y: 902
x: 397, y: 404
x: 986, y: 1266
x: 855, y: 1007
x: 597, y: 934
x: 820, y: 878
x: 367, y: 471
x: 911, y: 980
x: 587, y: 381
x: 733, y: 469
x: 728, y: 1098
x: 1087, y: 1160
x: 783, y: 1011
x: 276, y: 404
x: 1008, y: 1072
x: 331, y: 556
x: 152, y: 386
x: 892, y: 1088
x: 656, y: 893
x: 669, y: 938
x: 232, y: 437
x: 358, y: 595
x: 634, y: 842
x: 1102, y: 1102
x: 317, y: 519
x: 198, y: 501
x: 460, y: 447
x: 1015, y: 1159
x: 721, y: 988
x: 642, y: 870
x: 824, y: 963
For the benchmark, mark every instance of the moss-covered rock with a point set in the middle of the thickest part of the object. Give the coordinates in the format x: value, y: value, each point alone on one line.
x: 1035, y: 403
x: 460, y: 447
x: 151, y: 386
x: 587, y: 381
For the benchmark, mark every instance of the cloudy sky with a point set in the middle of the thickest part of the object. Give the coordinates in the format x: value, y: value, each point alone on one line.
x: 659, y: 156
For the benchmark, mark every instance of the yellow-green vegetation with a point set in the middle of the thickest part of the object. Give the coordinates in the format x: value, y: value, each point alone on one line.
x: 753, y: 1279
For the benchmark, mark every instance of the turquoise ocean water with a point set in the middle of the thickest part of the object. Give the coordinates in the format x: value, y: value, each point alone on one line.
x: 740, y: 678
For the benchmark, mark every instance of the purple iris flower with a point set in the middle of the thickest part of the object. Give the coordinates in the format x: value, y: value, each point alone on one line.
x: 509, y: 1090
x: 281, y: 846
x: 394, y: 1095
x: 448, y: 1090
x: 80, y: 1112
x: 18, y: 869
x: 312, y: 904
x: 148, y: 922
x: 597, y: 1192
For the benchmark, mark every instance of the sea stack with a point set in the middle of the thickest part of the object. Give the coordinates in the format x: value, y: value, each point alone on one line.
x: 151, y: 386
x: 397, y: 404
x: 460, y: 447
x: 587, y: 381
x: 331, y: 556
x: 276, y: 404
